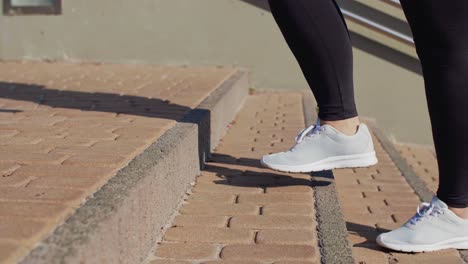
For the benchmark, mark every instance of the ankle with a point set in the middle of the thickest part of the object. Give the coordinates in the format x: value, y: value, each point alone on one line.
x: 460, y: 212
x: 346, y: 126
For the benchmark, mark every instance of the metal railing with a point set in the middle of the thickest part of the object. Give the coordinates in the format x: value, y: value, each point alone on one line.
x: 376, y: 26
x: 393, y: 2
x: 377, y: 20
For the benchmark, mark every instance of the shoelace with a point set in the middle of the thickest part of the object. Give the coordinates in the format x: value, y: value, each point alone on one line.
x: 312, y: 130
x: 423, y: 211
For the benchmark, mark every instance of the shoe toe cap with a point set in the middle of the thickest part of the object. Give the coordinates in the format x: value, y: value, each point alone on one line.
x: 389, y: 240
x: 272, y: 158
x: 281, y: 158
x: 399, y: 236
x: 381, y: 239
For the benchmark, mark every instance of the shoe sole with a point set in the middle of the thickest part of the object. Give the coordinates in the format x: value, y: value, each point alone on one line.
x: 337, y: 162
x: 456, y: 243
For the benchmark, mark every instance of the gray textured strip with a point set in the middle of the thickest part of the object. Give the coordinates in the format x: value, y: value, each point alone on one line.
x: 413, y: 179
x: 331, y: 226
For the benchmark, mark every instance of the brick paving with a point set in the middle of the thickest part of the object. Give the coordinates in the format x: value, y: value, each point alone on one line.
x: 422, y: 160
x: 238, y: 212
x: 379, y: 199
x: 65, y: 129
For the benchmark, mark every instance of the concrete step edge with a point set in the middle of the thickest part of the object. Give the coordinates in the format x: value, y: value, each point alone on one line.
x: 125, y: 219
x: 331, y: 226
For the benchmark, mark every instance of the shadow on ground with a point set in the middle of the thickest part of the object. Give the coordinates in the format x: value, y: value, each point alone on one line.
x: 368, y: 234
x: 89, y: 101
x: 248, y: 172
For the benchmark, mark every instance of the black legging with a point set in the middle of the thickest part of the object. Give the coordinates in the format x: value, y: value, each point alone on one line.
x: 317, y: 34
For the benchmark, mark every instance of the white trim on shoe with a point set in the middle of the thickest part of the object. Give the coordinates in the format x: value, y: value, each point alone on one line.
x: 456, y: 243
x: 336, y: 162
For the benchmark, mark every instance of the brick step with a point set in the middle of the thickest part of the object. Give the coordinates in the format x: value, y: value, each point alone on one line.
x: 95, y: 158
x: 239, y: 212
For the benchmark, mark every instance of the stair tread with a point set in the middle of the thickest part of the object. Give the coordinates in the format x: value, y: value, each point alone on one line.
x: 66, y: 129
x: 261, y: 216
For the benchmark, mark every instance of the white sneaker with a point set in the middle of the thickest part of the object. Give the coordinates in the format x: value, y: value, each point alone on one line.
x: 321, y: 148
x: 434, y: 227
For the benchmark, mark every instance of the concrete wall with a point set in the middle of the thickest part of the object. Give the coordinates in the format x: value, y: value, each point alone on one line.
x: 394, y: 97
x: 163, y: 31
x: 208, y: 32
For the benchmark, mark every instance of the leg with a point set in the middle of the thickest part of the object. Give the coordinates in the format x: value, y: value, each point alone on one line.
x: 439, y: 30
x: 317, y: 35
x: 441, y: 36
